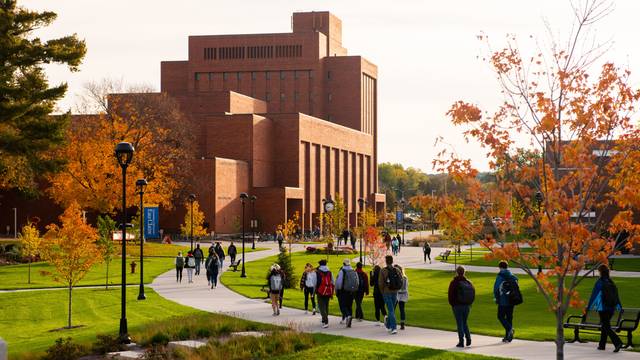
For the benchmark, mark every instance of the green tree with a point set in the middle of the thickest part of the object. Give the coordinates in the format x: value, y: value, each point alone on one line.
x: 284, y: 260
x: 106, y: 227
x: 28, y: 132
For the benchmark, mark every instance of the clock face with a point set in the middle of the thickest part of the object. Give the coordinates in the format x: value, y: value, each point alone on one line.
x: 328, y: 206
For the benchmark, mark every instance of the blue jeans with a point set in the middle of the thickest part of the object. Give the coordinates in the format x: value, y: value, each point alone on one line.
x: 461, y: 313
x: 505, y: 315
x: 390, y: 300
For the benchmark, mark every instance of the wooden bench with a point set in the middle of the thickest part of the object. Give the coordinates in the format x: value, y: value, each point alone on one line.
x: 445, y: 255
x: 235, y: 265
x: 625, y: 320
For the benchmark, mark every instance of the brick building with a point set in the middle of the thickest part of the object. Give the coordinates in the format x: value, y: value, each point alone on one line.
x: 289, y: 117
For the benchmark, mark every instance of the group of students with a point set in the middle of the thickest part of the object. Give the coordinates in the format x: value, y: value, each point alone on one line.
x: 212, y: 264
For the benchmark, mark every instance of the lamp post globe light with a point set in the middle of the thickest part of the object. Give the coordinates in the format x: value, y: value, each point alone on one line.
x: 363, y: 206
x: 124, y: 154
x: 192, y: 198
x: 243, y: 198
x: 254, y: 221
x: 141, y: 185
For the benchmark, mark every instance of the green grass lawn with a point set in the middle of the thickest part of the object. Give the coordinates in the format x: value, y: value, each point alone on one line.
x: 159, y: 261
x: 428, y: 306
x: 27, y: 318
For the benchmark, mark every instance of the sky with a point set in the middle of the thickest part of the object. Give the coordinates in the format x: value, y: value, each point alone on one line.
x: 427, y: 52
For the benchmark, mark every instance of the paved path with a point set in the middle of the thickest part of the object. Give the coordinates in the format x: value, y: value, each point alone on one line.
x: 223, y: 300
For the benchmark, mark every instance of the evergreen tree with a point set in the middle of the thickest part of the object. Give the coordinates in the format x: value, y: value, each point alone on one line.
x: 284, y: 260
x: 28, y: 132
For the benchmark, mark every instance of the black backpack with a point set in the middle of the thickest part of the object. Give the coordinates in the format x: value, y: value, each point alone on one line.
x: 511, y: 289
x: 361, y: 282
x: 394, y: 279
x: 610, y: 297
x: 466, y: 293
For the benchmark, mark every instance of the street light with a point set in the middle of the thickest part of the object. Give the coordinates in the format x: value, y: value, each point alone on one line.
x: 404, y: 203
x: 328, y: 205
x: 192, y: 198
x: 363, y: 206
x: 124, y: 155
x: 432, y: 212
x: 141, y: 184
x: 254, y: 221
x: 243, y: 198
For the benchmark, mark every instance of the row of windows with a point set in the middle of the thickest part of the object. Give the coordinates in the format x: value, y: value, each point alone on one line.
x: 253, y: 52
x: 254, y: 74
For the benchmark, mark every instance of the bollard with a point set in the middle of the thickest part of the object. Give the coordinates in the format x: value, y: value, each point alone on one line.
x: 3, y: 350
x: 133, y: 267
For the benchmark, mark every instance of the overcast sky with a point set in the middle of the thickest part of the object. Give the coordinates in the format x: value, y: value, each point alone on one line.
x: 426, y: 51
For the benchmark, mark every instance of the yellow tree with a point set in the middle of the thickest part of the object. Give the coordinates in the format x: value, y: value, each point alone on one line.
x: 290, y: 228
x: 198, y: 220
x: 336, y: 220
x: 582, y: 185
x: 71, y: 249
x: 31, y: 243
x: 162, y: 136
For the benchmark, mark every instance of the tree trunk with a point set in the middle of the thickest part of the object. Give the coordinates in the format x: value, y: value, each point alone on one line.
x: 29, y: 277
x: 559, y: 334
x: 69, y: 322
x: 106, y: 281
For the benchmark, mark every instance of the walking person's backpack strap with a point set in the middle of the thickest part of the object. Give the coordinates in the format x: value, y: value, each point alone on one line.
x: 609, y: 293
x: 275, y: 282
x: 191, y: 261
x: 510, y: 288
x: 350, y: 280
x: 394, y: 278
x: 179, y: 261
x: 465, y: 293
x: 326, y: 287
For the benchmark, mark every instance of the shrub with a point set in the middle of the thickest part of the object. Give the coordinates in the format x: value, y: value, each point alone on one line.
x: 159, y: 339
x: 106, y: 343
x: 184, y: 334
x: 65, y: 349
x: 203, y: 333
x: 284, y: 260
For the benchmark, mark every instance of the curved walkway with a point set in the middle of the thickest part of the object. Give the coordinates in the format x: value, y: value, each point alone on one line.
x: 224, y: 300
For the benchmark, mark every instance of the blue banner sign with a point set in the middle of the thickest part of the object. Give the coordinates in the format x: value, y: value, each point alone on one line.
x: 152, y: 222
x: 399, y: 216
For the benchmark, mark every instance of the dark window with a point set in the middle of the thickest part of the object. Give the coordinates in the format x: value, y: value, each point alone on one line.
x: 296, y: 74
x: 282, y: 75
x: 238, y: 76
x: 210, y: 76
x: 310, y: 74
x: 268, y: 96
x: 296, y: 96
x: 253, y: 75
x: 197, y: 76
x: 225, y: 76
x: 329, y: 75
x: 267, y: 75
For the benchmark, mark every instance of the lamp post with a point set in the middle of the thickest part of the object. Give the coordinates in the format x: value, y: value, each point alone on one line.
x: 404, y: 203
x: 141, y: 184
x: 539, y: 199
x: 363, y: 206
x: 243, y: 198
x: 192, y: 198
x: 124, y: 155
x: 328, y: 205
x: 397, y: 218
x: 254, y: 221
x: 431, y: 212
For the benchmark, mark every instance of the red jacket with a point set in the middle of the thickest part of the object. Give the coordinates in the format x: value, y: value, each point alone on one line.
x: 453, y: 289
x: 364, y: 276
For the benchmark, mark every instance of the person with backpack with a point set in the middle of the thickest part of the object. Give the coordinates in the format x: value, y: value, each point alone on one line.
x: 378, y: 301
x: 199, y: 257
x: 605, y: 300
x: 190, y: 264
x: 179, y: 261
x: 276, y: 283
x: 403, y: 296
x: 220, y: 252
x: 394, y: 246
x: 232, y: 252
x: 506, y: 293
x: 390, y: 281
x: 324, y: 290
x: 461, y: 297
x: 212, y: 269
x: 346, y: 287
x: 279, y: 238
x: 363, y: 289
x: 308, y: 286
x: 426, y: 250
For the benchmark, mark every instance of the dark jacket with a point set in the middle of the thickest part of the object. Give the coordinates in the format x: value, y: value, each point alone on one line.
x: 596, y: 302
x: 232, y: 251
x: 220, y: 252
x: 197, y: 253
x: 453, y: 290
x: 186, y: 261
x: 365, y: 279
x: 504, y: 274
x: 212, y: 264
x: 373, y: 281
x: 382, y: 280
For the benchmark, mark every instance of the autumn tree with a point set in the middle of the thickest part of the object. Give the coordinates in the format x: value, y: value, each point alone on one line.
x: 31, y: 243
x: 28, y: 132
x: 198, y: 220
x: 335, y: 221
x: 71, y: 249
x: 582, y: 185
x: 290, y: 229
x: 161, y: 134
x: 106, y: 227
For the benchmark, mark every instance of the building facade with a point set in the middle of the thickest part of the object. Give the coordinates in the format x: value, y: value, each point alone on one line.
x: 289, y: 118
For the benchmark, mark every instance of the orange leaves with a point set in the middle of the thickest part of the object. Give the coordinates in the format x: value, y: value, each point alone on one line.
x: 462, y: 112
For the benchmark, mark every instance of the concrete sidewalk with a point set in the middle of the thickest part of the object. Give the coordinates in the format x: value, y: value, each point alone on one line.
x: 223, y: 300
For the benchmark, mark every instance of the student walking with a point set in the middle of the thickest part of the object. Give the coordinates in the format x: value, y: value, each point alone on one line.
x: 232, y: 252
x: 308, y: 285
x: 378, y: 301
x: 507, y: 294
x: 212, y: 269
x: 426, y: 250
x: 403, y: 296
x: 220, y: 252
x: 179, y: 261
x: 199, y: 257
x: 279, y: 238
x: 390, y: 282
x: 190, y: 265
x: 395, y: 244
x: 363, y: 289
x: 324, y: 290
x: 461, y: 296
x: 346, y: 287
x: 276, y: 283
x: 605, y: 300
